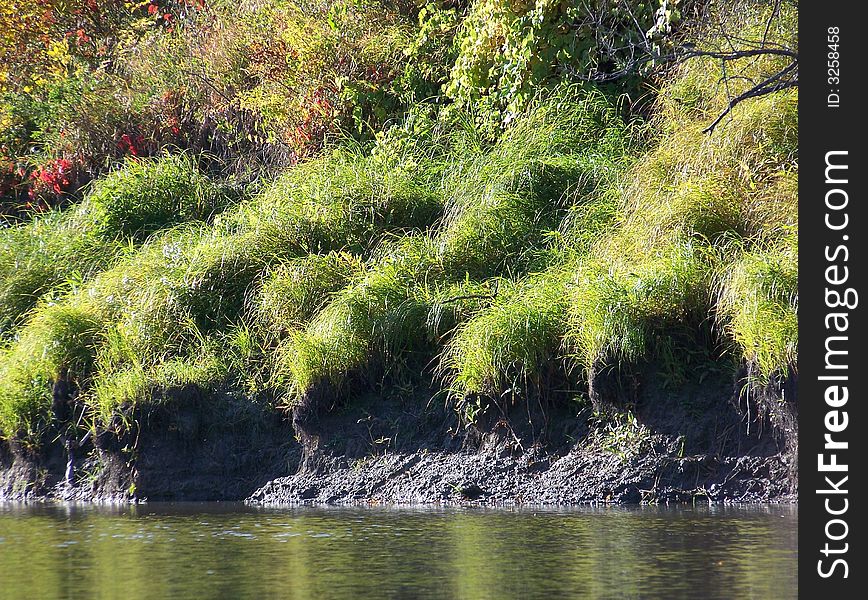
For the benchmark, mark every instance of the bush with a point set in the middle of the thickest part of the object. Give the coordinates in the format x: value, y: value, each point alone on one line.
x: 508, y: 50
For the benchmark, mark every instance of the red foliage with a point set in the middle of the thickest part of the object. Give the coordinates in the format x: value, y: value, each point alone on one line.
x: 46, y: 185
x: 56, y: 175
x: 132, y: 144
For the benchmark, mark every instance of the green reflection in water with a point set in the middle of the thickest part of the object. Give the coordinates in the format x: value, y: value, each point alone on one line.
x: 232, y: 551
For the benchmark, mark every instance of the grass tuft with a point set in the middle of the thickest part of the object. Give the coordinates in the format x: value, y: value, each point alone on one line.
x: 298, y: 289
x: 506, y: 345
x: 615, y: 314
x: 757, y: 305
x: 58, y: 343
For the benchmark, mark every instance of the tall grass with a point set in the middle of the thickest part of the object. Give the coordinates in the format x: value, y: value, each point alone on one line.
x: 501, y: 202
x: 191, y: 281
x: 59, y: 343
x: 506, y: 345
x: 644, y: 252
x: 297, y: 289
x: 614, y: 315
x: 574, y: 239
x: 43, y: 257
x: 148, y: 195
x: 503, y: 206
x: 373, y: 320
x: 757, y: 305
x: 122, y: 209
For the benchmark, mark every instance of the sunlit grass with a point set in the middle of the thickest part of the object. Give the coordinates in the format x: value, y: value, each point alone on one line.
x: 758, y: 302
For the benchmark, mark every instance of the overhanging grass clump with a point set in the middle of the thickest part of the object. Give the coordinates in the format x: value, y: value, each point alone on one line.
x: 344, y: 200
x: 115, y: 390
x: 736, y: 181
x: 59, y: 343
x: 506, y: 345
x: 42, y: 257
x: 502, y: 202
x: 372, y: 321
x: 617, y: 313
x: 758, y: 302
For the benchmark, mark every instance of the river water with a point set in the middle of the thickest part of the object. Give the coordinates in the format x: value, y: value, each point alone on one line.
x: 190, y: 550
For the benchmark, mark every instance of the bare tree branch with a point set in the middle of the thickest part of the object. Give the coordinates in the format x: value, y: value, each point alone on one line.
x: 775, y: 83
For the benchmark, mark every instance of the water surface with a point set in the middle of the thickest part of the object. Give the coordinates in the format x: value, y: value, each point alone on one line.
x: 182, y: 551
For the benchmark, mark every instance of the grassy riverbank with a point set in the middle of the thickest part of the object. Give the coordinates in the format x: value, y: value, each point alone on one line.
x: 503, y: 262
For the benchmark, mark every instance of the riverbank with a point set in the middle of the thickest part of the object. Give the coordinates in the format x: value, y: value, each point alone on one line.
x: 530, y: 286
x: 679, y: 447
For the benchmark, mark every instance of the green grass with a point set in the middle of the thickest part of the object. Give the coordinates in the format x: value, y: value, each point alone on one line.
x: 50, y: 253
x: 148, y: 195
x: 115, y: 390
x: 758, y: 308
x: 373, y: 320
x: 60, y: 342
x: 503, y: 207
x: 507, y: 345
x: 44, y: 257
x: 502, y: 202
x: 615, y: 314
x: 297, y: 289
x: 193, y: 280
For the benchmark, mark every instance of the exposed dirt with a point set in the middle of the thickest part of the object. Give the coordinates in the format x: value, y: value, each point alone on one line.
x: 189, y: 447
x: 642, y: 444
x: 651, y: 446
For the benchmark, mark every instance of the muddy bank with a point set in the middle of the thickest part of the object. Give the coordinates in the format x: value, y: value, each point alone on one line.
x: 190, y: 446
x: 707, y: 442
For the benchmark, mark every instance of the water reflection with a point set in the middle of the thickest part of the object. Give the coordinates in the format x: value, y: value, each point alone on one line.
x: 232, y: 551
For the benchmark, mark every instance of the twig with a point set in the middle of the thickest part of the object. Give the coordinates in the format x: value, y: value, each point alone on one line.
x: 775, y: 83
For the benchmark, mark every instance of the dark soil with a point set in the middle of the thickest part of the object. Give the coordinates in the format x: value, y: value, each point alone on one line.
x: 706, y: 442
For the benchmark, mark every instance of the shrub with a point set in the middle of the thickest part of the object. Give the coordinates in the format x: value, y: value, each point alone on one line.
x: 508, y: 50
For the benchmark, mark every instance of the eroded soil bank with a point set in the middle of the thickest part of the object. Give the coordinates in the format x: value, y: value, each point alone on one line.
x: 706, y: 442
